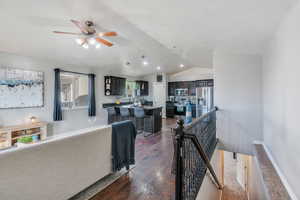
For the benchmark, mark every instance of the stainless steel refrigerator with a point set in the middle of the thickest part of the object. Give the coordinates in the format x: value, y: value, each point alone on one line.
x: 205, y: 100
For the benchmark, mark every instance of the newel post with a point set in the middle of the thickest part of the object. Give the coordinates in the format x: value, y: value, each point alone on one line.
x: 179, y: 159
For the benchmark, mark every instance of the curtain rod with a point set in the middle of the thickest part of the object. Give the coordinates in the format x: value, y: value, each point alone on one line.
x: 74, y: 72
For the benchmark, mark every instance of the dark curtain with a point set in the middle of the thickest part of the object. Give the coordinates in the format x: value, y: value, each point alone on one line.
x: 92, y: 99
x: 57, y: 113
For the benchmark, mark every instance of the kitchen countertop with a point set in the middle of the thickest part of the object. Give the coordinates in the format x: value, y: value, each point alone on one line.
x: 107, y: 105
x: 145, y: 107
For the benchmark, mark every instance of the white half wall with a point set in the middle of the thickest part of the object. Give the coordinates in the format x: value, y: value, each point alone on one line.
x: 58, y: 168
x: 238, y: 96
x: 282, y: 96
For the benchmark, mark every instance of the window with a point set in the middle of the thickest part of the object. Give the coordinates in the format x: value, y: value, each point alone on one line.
x: 74, y: 90
x: 131, y: 88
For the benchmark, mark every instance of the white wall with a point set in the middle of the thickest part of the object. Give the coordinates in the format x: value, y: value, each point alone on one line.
x: 208, y: 189
x: 73, y: 119
x: 192, y: 74
x: 238, y: 95
x: 152, y: 79
x: 257, y: 189
x: 281, y: 81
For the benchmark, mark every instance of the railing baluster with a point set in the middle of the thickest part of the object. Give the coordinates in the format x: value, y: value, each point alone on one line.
x: 195, y: 145
x: 179, y: 160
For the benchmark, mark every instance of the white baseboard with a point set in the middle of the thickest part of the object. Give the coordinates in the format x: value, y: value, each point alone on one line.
x: 278, y: 170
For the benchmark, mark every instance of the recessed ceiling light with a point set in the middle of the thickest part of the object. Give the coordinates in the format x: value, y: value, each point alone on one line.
x: 181, y: 65
x: 158, y: 67
x: 145, y: 63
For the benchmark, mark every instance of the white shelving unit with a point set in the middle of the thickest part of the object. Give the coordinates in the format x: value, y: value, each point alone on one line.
x: 10, y: 134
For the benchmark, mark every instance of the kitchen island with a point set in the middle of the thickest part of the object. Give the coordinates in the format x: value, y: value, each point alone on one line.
x: 153, y: 116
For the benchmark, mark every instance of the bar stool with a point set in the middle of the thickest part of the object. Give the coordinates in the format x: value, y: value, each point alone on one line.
x: 125, y: 114
x: 139, y: 115
x: 112, y: 115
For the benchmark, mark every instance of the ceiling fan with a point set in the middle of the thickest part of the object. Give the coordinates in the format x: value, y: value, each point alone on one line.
x: 90, y: 35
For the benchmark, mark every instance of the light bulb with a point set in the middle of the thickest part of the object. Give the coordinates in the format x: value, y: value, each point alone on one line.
x: 181, y: 65
x: 158, y: 67
x: 86, y: 46
x: 145, y: 63
x: 79, y: 41
x: 92, y: 41
x: 98, y: 46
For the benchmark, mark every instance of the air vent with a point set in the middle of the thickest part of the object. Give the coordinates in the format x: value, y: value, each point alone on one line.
x: 159, y: 78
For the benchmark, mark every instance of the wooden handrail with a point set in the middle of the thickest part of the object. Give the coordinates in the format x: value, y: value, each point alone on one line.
x: 204, y: 157
x: 181, y: 135
x: 189, y: 126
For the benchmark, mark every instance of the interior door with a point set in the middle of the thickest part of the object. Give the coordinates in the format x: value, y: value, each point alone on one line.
x: 159, y: 96
x: 242, y: 170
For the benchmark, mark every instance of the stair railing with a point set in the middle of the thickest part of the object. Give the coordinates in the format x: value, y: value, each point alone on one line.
x: 195, y: 144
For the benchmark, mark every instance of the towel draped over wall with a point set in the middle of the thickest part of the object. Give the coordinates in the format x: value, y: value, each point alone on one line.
x: 123, y: 145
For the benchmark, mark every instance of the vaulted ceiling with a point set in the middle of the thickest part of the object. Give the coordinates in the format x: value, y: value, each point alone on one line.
x: 167, y: 32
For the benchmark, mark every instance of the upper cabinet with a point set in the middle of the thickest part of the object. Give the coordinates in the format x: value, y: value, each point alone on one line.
x: 190, y: 85
x: 171, y: 88
x: 143, y: 88
x: 204, y: 83
x: 192, y: 88
x: 114, y: 86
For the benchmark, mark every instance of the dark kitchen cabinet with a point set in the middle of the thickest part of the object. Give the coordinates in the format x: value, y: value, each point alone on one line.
x: 143, y: 87
x: 192, y: 88
x: 114, y: 86
x: 171, y: 88
x: 190, y: 85
x: 193, y: 110
x: 182, y: 85
x: 178, y: 85
x: 170, y: 109
x: 205, y: 83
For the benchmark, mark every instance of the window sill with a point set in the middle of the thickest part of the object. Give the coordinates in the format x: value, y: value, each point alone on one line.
x: 76, y: 108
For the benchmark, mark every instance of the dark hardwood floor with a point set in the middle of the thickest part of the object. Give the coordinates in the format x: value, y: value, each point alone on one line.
x: 151, y: 179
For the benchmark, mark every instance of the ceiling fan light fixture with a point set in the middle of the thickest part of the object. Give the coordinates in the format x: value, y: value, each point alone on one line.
x: 79, y: 41
x: 86, y: 46
x: 89, y: 35
x: 92, y: 41
x: 98, y: 46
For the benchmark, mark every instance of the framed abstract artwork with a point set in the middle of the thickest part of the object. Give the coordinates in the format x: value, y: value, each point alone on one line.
x: 21, y: 88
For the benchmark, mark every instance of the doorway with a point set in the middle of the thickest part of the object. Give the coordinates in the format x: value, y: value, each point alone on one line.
x: 236, y: 173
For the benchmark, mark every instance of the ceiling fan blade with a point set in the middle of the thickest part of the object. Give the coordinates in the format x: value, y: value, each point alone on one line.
x: 79, y: 25
x: 108, y: 34
x: 105, y: 42
x: 61, y: 32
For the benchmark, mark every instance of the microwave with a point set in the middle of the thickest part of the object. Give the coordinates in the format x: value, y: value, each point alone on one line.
x: 181, y: 92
